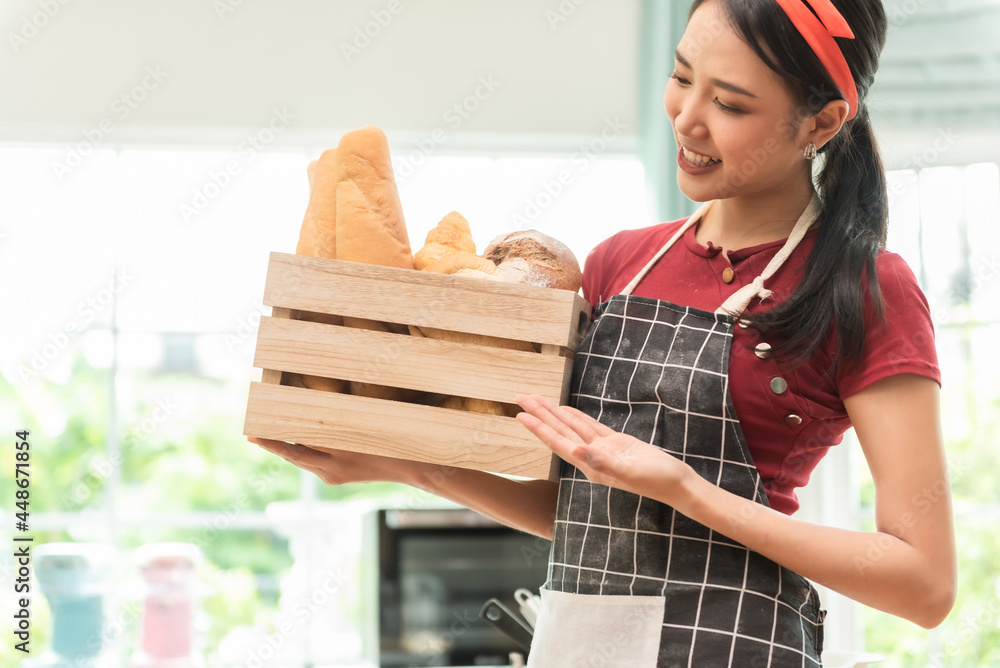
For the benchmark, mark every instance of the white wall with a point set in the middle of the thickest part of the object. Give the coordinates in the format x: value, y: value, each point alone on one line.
x: 560, y: 68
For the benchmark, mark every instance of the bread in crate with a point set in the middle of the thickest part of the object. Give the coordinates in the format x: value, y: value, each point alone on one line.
x: 373, y: 348
x: 546, y: 324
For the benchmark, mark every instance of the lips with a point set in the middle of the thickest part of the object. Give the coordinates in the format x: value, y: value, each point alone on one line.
x: 698, y: 159
x: 694, y: 157
x: 696, y: 169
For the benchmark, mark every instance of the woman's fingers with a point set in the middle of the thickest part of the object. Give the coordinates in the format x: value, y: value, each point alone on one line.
x: 300, y: 455
x: 269, y: 443
x: 558, y: 443
x: 533, y: 405
x: 599, y: 428
x: 575, y: 425
x: 280, y: 448
x: 323, y: 465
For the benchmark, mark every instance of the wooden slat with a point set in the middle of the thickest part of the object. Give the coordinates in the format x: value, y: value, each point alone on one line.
x: 327, y: 420
x: 425, y: 299
x: 415, y: 363
x: 273, y: 376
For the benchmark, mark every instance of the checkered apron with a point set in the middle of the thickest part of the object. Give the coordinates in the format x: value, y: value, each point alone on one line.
x: 659, y: 372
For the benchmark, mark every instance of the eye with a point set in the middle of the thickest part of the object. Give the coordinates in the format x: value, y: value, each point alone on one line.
x: 731, y: 110
x: 680, y: 80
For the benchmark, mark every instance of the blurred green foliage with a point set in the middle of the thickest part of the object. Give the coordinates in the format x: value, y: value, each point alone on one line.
x: 183, y: 456
x: 970, y: 636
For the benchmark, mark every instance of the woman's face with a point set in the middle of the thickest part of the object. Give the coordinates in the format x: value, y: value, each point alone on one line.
x: 724, y: 103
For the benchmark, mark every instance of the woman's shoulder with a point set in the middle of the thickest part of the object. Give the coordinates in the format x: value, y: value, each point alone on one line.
x: 902, y: 341
x: 898, y: 283
x: 628, y: 242
x: 888, y: 263
x: 612, y: 262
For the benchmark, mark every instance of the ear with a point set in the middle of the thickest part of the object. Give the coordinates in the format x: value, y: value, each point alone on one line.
x: 825, y: 125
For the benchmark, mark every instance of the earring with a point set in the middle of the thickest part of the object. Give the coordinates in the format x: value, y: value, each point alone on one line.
x: 810, y: 151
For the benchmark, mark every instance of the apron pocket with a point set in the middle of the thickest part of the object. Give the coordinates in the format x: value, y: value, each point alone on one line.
x: 596, y: 630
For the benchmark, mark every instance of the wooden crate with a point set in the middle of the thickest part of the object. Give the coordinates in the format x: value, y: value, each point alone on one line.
x: 554, y: 320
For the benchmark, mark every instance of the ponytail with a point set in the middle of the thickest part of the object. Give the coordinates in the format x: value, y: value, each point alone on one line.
x: 852, y: 230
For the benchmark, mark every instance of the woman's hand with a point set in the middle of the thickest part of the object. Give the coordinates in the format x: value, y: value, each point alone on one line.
x: 603, y: 455
x: 335, y: 468
x: 527, y: 505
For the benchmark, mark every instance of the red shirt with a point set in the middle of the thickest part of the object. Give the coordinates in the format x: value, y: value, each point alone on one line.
x: 690, y: 274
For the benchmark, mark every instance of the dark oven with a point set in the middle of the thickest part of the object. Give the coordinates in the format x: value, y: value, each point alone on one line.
x: 436, y: 568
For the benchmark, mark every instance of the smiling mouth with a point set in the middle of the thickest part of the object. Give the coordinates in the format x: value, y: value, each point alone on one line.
x: 699, y: 160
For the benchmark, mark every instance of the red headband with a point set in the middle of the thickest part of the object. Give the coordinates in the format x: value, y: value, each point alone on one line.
x: 820, y: 37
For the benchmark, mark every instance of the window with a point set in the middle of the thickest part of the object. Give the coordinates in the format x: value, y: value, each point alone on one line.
x: 946, y: 224
x: 132, y: 289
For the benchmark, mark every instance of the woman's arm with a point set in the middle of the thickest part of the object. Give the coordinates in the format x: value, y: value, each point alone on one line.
x: 906, y: 567
x: 527, y: 505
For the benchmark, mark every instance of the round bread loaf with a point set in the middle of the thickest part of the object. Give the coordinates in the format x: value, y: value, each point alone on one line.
x: 532, y: 258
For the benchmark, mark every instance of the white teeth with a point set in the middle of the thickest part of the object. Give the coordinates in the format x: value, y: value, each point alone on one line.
x: 697, y: 159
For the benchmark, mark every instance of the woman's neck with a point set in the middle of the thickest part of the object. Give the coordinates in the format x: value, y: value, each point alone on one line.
x: 741, y: 222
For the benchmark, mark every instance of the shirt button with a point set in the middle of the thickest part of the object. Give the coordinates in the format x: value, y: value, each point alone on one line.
x: 793, y: 420
x: 728, y: 274
x: 763, y: 350
x: 778, y: 385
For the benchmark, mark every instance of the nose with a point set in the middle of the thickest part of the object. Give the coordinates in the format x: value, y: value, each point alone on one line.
x: 684, y: 112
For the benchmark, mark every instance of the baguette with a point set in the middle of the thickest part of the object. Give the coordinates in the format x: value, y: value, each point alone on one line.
x: 370, y: 227
x: 318, y: 238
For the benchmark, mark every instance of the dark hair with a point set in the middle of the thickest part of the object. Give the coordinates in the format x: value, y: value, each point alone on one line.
x: 852, y: 184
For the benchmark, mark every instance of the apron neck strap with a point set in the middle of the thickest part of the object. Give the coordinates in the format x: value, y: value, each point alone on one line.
x: 694, y: 218
x: 739, y: 300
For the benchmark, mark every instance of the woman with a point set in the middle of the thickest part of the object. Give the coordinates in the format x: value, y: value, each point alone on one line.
x: 673, y: 543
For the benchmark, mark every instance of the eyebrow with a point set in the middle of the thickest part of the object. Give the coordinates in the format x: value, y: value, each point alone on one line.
x: 721, y: 84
